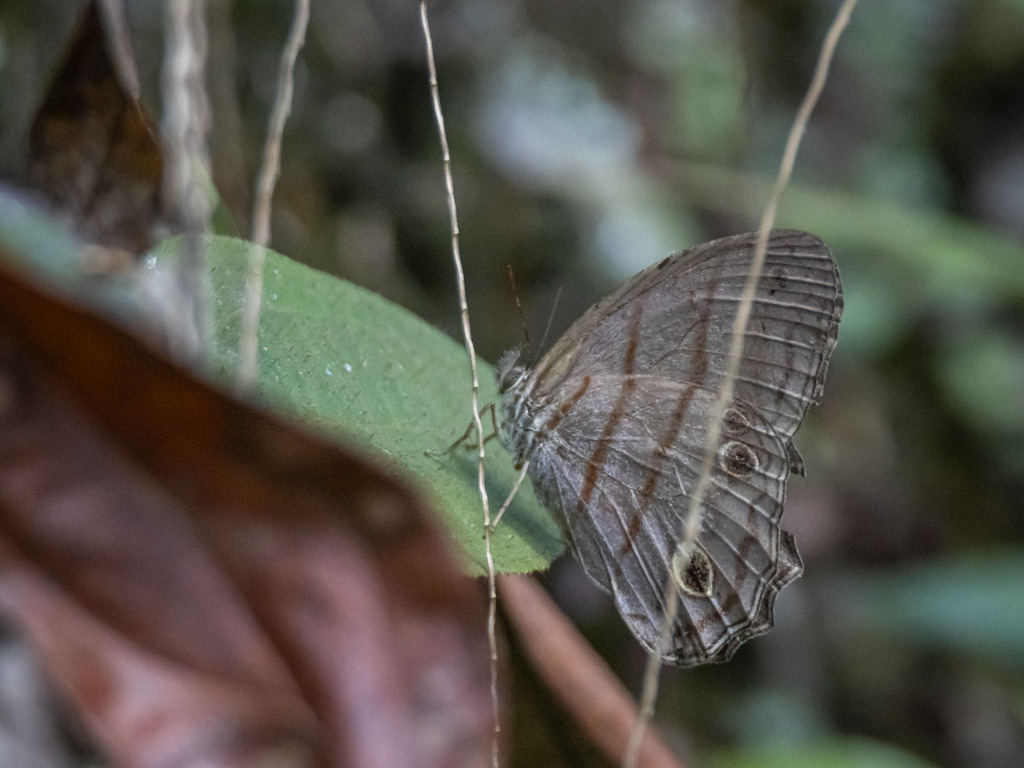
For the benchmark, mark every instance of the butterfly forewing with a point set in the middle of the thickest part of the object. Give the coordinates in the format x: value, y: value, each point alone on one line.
x: 675, y: 318
x: 614, y: 418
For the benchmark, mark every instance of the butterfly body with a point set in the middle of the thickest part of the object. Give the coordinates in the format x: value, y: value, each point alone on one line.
x: 613, y: 421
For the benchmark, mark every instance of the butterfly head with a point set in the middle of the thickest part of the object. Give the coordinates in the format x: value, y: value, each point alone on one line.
x: 508, y: 371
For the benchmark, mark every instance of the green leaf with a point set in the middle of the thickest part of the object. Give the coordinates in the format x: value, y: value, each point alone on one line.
x: 340, y: 359
x: 379, y: 379
x: 34, y: 241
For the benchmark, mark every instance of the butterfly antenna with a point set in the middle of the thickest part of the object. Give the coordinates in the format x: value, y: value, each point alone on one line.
x: 519, y: 311
x: 551, y: 316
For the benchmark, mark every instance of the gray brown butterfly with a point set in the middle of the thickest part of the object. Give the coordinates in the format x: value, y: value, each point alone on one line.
x: 613, y: 421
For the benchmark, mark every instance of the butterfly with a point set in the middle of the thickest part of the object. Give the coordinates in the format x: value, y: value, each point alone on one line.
x: 613, y: 421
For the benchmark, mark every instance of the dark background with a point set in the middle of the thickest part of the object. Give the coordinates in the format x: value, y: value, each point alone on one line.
x: 590, y: 139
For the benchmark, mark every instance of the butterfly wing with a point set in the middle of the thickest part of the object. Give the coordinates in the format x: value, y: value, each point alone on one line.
x: 617, y: 471
x: 617, y: 417
x: 674, y: 320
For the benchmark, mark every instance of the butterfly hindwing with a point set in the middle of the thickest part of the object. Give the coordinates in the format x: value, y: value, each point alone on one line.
x: 617, y: 471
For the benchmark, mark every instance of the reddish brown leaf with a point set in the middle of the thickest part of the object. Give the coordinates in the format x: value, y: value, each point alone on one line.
x: 209, y: 583
x: 576, y: 675
x: 93, y: 151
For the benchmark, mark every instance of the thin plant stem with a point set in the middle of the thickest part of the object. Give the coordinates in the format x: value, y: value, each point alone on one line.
x: 269, y: 172
x: 692, y: 523
x: 185, y: 125
x: 475, y: 394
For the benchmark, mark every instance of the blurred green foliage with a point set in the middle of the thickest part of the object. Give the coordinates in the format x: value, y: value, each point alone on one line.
x: 590, y: 139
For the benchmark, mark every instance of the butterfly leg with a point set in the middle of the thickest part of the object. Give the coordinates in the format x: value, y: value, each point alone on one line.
x: 465, y: 435
x: 511, y: 494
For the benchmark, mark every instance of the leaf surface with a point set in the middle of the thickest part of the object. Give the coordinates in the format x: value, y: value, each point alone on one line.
x: 349, y: 362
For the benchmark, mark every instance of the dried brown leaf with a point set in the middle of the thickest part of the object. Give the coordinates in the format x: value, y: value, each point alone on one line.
x: 576, y: 676
x: 209, y: 583
x: 93, y: 151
